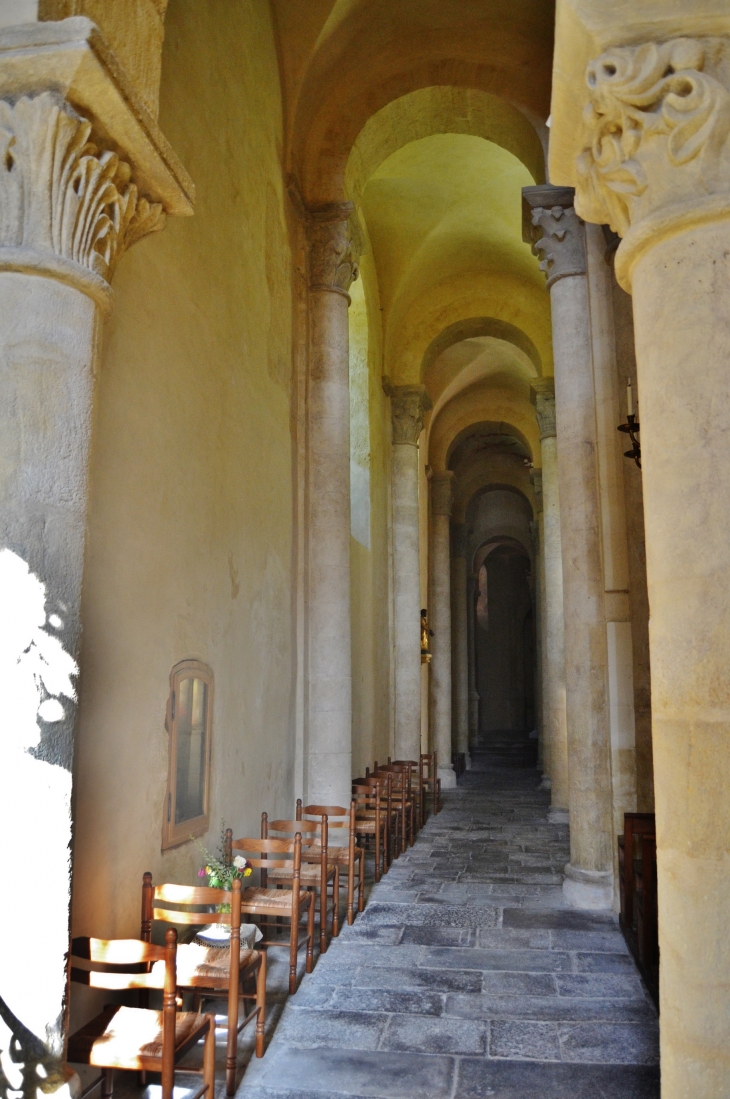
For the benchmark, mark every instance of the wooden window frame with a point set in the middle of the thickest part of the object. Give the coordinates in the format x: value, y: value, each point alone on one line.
x: 175, y: 834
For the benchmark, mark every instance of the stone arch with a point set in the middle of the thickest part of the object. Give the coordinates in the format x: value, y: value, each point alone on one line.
x: 471, y: 327
x: 441, y: 110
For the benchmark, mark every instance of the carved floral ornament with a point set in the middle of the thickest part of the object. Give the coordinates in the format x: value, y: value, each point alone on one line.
x: 67, y: 208
x: 657, y: 122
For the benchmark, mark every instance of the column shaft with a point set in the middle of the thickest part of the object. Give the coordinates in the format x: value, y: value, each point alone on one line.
x: 559, y: 237
x: 459, y: 643
x: 408, y: 404
x: 440, y: 617
x: 554, y: 632
x: 329, y: 755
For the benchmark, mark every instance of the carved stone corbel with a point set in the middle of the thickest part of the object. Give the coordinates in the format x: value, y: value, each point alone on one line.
x: 542, y: 396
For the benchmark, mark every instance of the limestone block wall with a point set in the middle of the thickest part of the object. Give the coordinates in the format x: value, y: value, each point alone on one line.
x: 189, y: 549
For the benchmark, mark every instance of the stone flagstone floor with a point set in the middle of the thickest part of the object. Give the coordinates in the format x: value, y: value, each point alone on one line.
x: 467, y: 976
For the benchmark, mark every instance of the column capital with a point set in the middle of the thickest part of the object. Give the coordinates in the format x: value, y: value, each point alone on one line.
x: 542, y: 396
x: 408, y: 405
x: 84, y: 169
x: 557, y: 235
x: 333, y: 254
x: 442, y: 492
x: 656, y: 154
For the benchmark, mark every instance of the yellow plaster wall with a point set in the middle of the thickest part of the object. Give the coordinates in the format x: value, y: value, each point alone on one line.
x: 190, y: 536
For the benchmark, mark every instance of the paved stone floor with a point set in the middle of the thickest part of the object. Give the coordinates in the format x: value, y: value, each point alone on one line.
x: 467, y: 976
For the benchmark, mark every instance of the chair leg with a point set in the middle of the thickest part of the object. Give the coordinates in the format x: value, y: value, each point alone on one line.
x: 323, y: 920
x: 310, y: 939
x: 234, y: 1004
x: 361, y: 889
x: 261, y: 1005
x: 209, y: 1060
x: 351, y: 892
x: 377, y: 854
x: 107, y: 1083
x: 336, y: 903
x: 293, y: 943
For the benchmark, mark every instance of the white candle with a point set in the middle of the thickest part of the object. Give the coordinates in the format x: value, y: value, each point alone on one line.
x: 629, y: 399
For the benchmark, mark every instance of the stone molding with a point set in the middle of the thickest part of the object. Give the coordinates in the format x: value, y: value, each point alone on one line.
x: 67, y: 208
x: 557, y: 235
x: 408, y: 405
x: 542, y: 396
x: 442, y: 492
x: 332, y: 251
x: 656, y: 153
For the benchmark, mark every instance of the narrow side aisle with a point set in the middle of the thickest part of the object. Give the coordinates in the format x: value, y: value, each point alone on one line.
x: 467, y: 976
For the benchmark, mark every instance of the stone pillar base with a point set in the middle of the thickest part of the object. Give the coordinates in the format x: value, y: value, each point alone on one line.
x: 546, y: 784
x: 448, y: 778
x: 588, y: 888
x: 557, y: 815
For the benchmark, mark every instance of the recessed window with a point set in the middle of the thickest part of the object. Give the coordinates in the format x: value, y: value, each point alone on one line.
x: 189, y: 720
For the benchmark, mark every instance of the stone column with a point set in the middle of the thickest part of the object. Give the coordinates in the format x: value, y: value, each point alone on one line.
x: 459, y: 640
x: 408, y: 405
x: 70, y: 205
x: 538, y: 534
x: 554, y: 696
x: 560, y: 243
x: 332, y: 268
x: 441, y: 498
x: 672, y: 209
x: 623, y: 324
x: 471, y: 582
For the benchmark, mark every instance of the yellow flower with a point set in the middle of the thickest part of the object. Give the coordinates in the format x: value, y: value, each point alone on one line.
x: 208, y: 871
x: 247, y: 872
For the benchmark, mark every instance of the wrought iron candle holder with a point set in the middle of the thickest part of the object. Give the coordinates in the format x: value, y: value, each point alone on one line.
x: 632, y: 429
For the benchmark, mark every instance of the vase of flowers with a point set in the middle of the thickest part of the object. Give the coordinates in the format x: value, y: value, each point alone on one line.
x: 222, y: 874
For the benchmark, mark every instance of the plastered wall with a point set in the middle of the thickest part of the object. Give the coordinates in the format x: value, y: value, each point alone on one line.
x: 190, y: 536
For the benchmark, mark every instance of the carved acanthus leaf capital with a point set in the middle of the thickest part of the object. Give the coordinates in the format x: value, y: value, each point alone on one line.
x: 542, y: 396
x: 408, y: 405
x: 333, y: 256
x: 657, y: 125
x: 64, y: 203
x: 556, y: 233
x: 442, y: 492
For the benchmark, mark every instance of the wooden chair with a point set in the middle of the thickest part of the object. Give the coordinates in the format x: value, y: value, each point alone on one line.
x: 318, y: 871
x: 370, y: 821
x: 137, y: 1038
x: 417, y: 792
x: 430, y: 780
x: 209, y: 972
x: 402, y: 800
x: 390, y: 810
x: 352, y: 856
x: 277, y: 904
x: 635, y: 825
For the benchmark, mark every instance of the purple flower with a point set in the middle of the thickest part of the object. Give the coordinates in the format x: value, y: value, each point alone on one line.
x: 201, y: 873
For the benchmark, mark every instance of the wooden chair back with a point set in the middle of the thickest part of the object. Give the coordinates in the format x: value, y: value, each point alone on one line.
x: 268, y: 854
x: 119, y: 964
x: 186, y: 904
